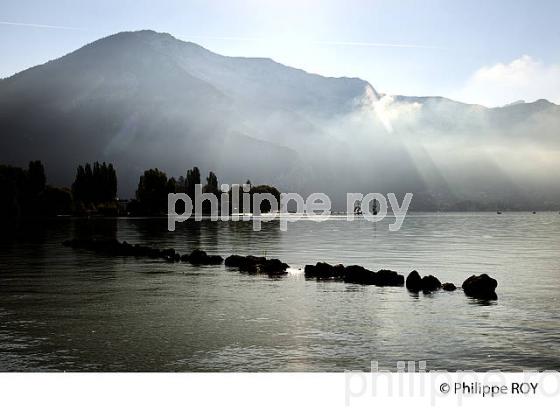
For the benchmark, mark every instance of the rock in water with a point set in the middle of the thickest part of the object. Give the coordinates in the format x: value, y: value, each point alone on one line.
x: 235, y: 261
x: 414, y: 282
x: 481, y: 287
x: 450, y: 287
x: 323, y: 270
x: 257, y: 264
x: 359, y: 274
x: 386, y: 277
x: 273, y: 267
x: 199, y: 257
x: 430, y: 283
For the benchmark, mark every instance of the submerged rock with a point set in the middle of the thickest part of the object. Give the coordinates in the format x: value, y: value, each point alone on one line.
x: 257, y: 264
x: 273, y: 266
x: 430, y: 283
x: 414, y: 282
x: 323, y: 270
x: 354, y: 274
x: 199, y: 257
x: 450, y: 287
x: 359, y: 274
x: 386, y: 277
x: 481, y: 287
x: 113, y: 247
x: 234, y: 261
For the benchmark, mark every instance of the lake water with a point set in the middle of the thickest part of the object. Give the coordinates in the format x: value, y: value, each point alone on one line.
x: 63, y: 309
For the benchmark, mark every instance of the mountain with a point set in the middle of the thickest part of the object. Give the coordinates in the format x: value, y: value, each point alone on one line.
x: 145, y: 99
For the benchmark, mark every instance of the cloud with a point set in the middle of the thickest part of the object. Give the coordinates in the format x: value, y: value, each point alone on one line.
x: 33, y: 25
x: 525, y: 78
x: 388, y: 111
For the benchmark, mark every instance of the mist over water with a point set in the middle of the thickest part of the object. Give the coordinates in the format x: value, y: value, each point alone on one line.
x: 63, y: 309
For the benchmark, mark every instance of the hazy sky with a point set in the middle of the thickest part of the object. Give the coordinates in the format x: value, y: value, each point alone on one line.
x: 489, y: 52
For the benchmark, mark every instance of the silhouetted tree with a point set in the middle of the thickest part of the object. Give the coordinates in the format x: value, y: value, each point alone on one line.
x: 171, y: 186
x: 265, y: 205
x: 94, y: 186
x: 193, y: 178
x: 96, y: 183
x: 112, y: 184
x: 24, y: 192
x: 180, y: 186
x: 88, y: 184
x: 261, y: 189
x: 212, y: 183
x: 78, y: 187
x: 152, y: 192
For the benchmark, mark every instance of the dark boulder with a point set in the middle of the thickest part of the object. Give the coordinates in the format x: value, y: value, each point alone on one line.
x: 257, y: 264
x: 354, y: 274
x: 214, y: 260
x: 481, y: 287
x: 430, y: 283
x: 338, y: 272
x: 414, y: 282
x: 250, y: 264
x: 450, y: 287
x: 169, y: 253
x: 310, y: 271
x: 359, y: 274
x: 173, y: 259
x: 235, y: 261
x: 113, y: 247
x: 273, y: 267
x: 386, y: 277
x: 323, y: 270
x: 199, y: 257
x: 256, y: 259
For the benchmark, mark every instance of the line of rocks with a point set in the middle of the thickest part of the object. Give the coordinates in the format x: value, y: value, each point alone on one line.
x: 113, y: 247
x: 426, y: 284
x: 480, y: 287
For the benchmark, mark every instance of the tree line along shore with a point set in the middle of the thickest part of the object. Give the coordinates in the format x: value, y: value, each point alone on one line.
x: 25, y: 192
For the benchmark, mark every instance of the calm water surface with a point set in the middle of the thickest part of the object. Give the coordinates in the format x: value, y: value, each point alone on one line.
x: 62, y: 309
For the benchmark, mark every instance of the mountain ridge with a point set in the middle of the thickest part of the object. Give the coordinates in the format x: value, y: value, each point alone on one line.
x: 145, y: 99
x: 169, y: 36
